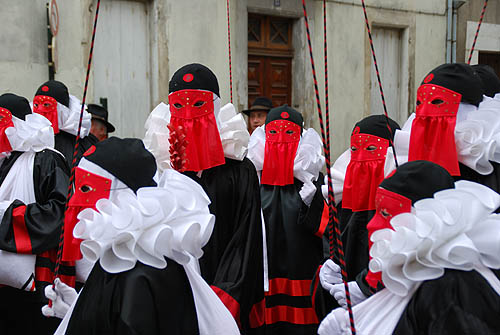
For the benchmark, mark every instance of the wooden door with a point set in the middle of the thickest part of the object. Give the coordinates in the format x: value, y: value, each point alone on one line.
x: 270, y: 59
x: 121, y: 69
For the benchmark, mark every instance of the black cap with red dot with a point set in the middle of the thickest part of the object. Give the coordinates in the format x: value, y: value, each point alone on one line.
x: 285, y: 112
x: 16, y: 105
x: 56, y: 90
x: 194, y: 77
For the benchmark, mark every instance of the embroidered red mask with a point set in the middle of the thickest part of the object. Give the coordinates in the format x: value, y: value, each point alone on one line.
x: 47, y: 106
x: 192, y: 114
x: 433, y: 130
x: 5, y: 122
x: 282, y: 141
x: 89, y: 188
x: 365, y: 172
x: 387, y: 205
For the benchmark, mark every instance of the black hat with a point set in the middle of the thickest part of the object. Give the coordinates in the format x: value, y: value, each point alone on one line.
x: 18, y: 106
x: 260, y: 104
x: 127, y: 159
x: 489, y: 79
x: 418, y: 180
x: 377, y: 125
x: 460, y: 78
x: 194, y: 77
x: 100, y: 113
x: 285, y: 112
x: 56, y: 90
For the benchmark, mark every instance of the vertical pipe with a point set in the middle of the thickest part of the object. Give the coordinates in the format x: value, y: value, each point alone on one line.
x: 454, y: 36
x: 448, y: 31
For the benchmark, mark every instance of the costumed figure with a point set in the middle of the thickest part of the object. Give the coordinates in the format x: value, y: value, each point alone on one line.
x: 456, y: 126
x: 53, y: 101
x: 289, y: 160
x: 433, y: 245
x: 194, y: 135
x: 356, y: 175
x: 33, y: 187
x: 145, y: 242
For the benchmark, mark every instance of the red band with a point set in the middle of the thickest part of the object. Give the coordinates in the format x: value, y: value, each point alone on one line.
x: 257, y: 316
x: 296, y: 288
x: 295, y: 315
x: 324, y: 220
x: 231, y: 304
x: 21, y: 235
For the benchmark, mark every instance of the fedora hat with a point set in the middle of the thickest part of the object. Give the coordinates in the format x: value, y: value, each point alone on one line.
x: 260, y: 104
x: 100, y: 113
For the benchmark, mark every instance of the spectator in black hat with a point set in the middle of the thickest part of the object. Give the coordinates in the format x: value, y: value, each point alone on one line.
x: 100, y: 125
x: 257, y: 113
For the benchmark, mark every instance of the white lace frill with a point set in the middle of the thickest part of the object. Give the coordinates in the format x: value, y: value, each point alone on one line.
x: 309, y: 159
x: 477, y: 137
x: 69, y: 117
x: 455, y: 230
x: 232, y: 129
x: 171, y: 220
x: 33, y: 134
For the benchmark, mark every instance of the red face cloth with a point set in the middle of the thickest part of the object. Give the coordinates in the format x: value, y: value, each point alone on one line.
x: 89, y: 188
x: 192, y: 114
x: 388, y: 205
x: 282, y: 141
x: 364, y: 172
x: 5, y: 122
x: 47, y: 106
x: 433, y: 130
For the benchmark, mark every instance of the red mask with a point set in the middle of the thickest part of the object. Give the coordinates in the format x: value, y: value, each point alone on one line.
x: 89, y: 188
x: 365, y: 172
x: 282, y: 141
x: 5, y: 122
x: 192, y: 115
x: 388, y: 204
x: 47, y: 106
x: 433, y: 130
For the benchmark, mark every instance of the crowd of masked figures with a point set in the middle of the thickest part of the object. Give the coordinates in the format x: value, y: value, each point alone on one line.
x: 202, y: 228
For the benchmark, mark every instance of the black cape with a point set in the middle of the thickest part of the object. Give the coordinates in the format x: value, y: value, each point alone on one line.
x: 460, y: 302
x: 294, y: 247
x: 43, y: 221
x: 143, y: 300
x: 65, y: 144
x: 232, y: 261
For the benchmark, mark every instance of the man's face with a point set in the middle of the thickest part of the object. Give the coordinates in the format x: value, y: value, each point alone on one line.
x: 99, y: 130
x: 256, y: 119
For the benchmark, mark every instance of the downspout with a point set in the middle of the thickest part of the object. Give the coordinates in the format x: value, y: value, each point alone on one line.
x: 449, y: 31
x: 456, y: 6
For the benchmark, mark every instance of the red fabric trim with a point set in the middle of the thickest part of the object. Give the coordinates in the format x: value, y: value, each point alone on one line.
x: 44, y: 274
x: 299, y: 316
x: 315, y: 287
x: 21, y: 235
x: 296, y: 288
x: 324, y: 220
x: 231, y: 304
x: 257, y: 316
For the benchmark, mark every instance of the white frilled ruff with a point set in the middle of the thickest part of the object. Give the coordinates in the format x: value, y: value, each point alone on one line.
x: 477, y: 134
x: 33, y: 134
x: 454, y: 230
x: 69, y: 117
x: 339, y: 168
x: 232, y: 129
x: 309, y: 159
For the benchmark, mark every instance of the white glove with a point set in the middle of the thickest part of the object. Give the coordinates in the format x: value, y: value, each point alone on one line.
x: 62, y: 297
x: 338, y: 292
x: 307, y: 192
x: 329, y: 275
x: 335, y: 323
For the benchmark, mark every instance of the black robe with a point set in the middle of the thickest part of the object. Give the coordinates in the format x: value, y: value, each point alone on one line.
x: 143, y: 300
x: 65, y: 144
x: 294, y: 247
x: 42, y: 222
x: 460, y: 302
x: 232, y: 262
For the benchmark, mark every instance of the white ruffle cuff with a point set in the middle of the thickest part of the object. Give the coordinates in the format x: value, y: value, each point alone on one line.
x: 35, y: 133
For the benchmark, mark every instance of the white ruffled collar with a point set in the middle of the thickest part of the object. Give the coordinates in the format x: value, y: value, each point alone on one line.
x: 34, y: 134
x: 309, y: 159
x: 477, y: 135
x: 171, y: 220
x: 454, y: 230
x: 232, y: 130
x: 69, y: 117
